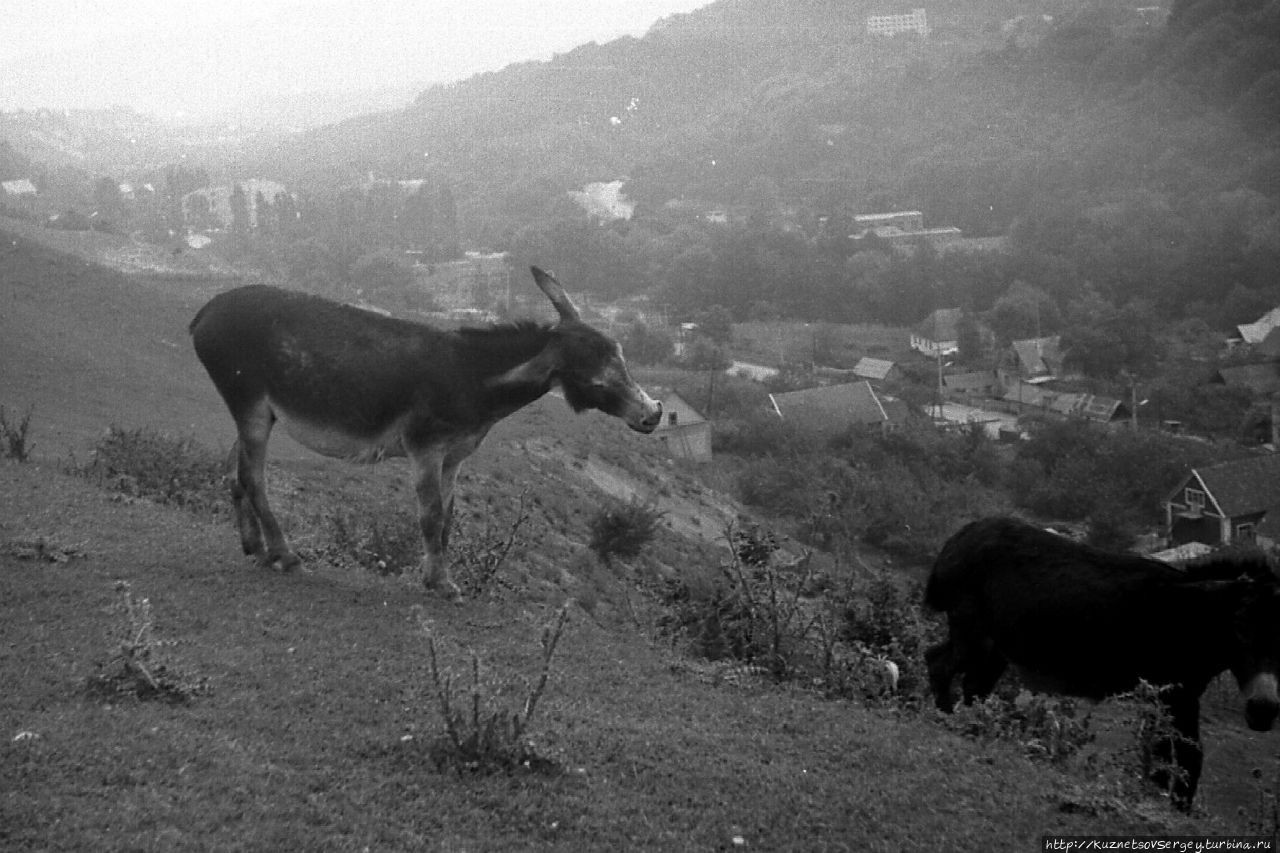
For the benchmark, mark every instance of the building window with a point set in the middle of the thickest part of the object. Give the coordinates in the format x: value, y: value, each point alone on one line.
x: 673, y: 418
x: 1195, y: 498
x: 1246, y: 532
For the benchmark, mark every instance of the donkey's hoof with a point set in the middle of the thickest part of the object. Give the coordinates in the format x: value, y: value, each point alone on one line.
x: 289, y: 562
x: 443, y: 587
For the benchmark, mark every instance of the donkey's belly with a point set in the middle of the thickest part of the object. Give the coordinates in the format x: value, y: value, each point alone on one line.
x: 336, y: 443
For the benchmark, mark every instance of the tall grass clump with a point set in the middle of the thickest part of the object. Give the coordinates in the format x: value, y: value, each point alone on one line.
x: 15, y: 435
x: 144, y: 463
x: 482, y: 734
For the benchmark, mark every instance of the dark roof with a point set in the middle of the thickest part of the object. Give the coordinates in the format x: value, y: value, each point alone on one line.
x: 1243, y: 486
x: 838, y: 406
x: 977, y: 380
x: 1258, y: 378
x: 1039, y: 355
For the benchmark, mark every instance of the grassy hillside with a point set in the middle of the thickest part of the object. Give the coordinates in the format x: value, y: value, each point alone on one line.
x: 316, y: 724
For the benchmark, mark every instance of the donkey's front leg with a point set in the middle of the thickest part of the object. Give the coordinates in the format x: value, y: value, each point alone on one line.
x: 433, y: 519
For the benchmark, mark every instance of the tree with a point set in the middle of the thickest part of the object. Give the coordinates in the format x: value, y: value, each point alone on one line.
x: 239, y: 209
x: 646, y: 344
x: 106, y: 199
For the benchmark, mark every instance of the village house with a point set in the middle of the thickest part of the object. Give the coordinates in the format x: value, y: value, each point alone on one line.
x: 1229, y: 503
x: 916, y: 21
x: 683, y: 431
x: 877, y: 370
x: 972, y: 385
x: 1260, y: 379
x: 1039, y: 359
x: 18, y: 194
x: 836, y: 408
x: 939, y: 333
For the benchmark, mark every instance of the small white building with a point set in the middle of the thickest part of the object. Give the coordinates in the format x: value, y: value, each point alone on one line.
x: 684, y: 430
x: 915, y: 21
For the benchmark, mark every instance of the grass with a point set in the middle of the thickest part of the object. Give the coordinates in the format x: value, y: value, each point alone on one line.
x: 317, y: 678
x: 316, y: 731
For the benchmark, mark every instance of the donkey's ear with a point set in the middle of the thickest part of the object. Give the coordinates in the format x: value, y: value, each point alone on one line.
x: 548, y: 284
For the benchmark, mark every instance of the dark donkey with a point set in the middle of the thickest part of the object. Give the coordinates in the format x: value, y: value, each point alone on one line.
x: 351, y: 384
x: 1077, y: 620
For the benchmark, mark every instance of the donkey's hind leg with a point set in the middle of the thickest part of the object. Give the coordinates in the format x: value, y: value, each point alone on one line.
x: 246, y: 518
x: 251, y: 478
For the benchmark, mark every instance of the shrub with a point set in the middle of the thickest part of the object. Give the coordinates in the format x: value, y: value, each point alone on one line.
x: 136, y: 666
x: 480, y: 735
x: 1047, y: 728
x: 15, y: 435
x: 143, y: 463
x: 623, y: 530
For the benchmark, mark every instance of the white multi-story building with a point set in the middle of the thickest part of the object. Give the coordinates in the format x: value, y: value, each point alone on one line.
x: 915, y: 21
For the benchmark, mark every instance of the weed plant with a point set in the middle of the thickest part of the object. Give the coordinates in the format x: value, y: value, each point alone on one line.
x: 15, y: 435
x: 479, y: 553
x: 136, y: 666
x: 481, y: 734
x: 143, y: 463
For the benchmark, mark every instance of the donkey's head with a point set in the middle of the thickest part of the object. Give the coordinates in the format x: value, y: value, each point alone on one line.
x: 1258, y: 654
x: 590, y: 368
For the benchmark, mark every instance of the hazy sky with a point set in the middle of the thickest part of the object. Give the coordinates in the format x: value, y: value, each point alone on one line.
x: 171, y: 56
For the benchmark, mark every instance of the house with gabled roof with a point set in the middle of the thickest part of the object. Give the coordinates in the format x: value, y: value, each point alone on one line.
x: 1235, y: 502
x: 939, y: 333
x: 1039, y: 359
x: 684, y: 431
x: 835, y: 408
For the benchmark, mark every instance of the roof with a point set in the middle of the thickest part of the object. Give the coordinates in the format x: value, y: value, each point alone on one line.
x: 1095, y: 407
x: 1243, y: 486
x: 1039, y: 355
x: 1270, y: 345
x: 1259, y: 378
x: 873, y: 368
x: 839, y: 405
x: 1257, y: 331
x: 977, y: 380
x: 672, y: 402
x: 21, y: 186
x: 942, y: 325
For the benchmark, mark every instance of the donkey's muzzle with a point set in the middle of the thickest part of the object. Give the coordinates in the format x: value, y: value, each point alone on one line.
x: 650, y: 421
x: 1261, y: 702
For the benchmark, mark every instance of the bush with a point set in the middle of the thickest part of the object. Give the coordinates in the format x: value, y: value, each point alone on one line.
x: 623, y: 530
x: 142, y: 463
x: 1047, y: 728
x: 14, y: 435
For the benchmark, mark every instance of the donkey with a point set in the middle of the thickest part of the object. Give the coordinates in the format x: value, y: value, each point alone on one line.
x: 352, y: 384
x: 1085, y: 622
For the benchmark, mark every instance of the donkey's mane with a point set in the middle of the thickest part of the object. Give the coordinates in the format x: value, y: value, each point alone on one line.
x: 502, y: 345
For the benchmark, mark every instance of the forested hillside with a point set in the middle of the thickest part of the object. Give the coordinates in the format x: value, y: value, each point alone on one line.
x: 1132, y: 156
